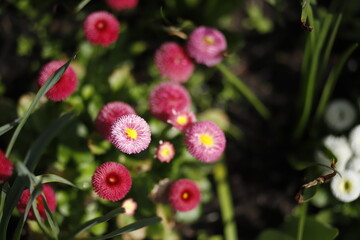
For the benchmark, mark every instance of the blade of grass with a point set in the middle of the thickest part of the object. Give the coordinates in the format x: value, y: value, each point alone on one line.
x: 244, y: 90
x: 7, y: 127
x: 54, y: 226
x: 48, y: 178
x: 301, y: 225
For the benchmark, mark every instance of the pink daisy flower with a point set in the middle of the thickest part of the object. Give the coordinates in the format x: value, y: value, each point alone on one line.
x: 108, y: 114
x: 184, y: 195
x: 173, y: 62
x: 166, y: 98
x: 50, y: 199
x: 182, y: 120
x: 205, y: 141
x: 165, y: 152
x: 101, y: 28
x: 130, y: 206
x: 111, y: 181
x: 120, y: 5
x: 131, y: 134
x: 66, y: 84
x: 206, y: 45
x: 6, y: 167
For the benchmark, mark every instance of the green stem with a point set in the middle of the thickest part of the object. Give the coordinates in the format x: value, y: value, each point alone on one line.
x: 245, y: 91
x: 301, y: 225
x: 226, y: 205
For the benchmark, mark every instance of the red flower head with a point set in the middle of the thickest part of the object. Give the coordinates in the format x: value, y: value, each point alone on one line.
x: 66, y: 84
x: 120, y: 5
x: 6, y: 167
x: 206, y: 45
x: 205, y: 141
x: 182, y: 120
x: 101, y: 28
x: 50, y: 199
x: 167, y: 98
x: 111, y: 181
x: 184, y: 195
x: 173, y: 62
x: 108, y: 114
x: 165, y: 152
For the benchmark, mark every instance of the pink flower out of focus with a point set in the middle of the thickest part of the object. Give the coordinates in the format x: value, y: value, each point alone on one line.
x: 184, y: 195
x: 64, y: 87
x: 50, y: 199
x: 181, y: 120
x: 173, y: 62
x: 6, y: 167
x: 111, y: 181
x: 165, y: 152
x: 108, y: 114
x: 130, y: 134
x: 206, y: 45
x: 130, y: 206
x: 168, y: 97
x: 120, y: 5
x: 205, y: 141
x: 101, y: 28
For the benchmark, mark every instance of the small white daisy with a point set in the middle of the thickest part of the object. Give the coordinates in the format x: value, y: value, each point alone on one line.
x: 354, y: 164
x: 347, y: 187
x: 354, y: 139
x: 340, y: 115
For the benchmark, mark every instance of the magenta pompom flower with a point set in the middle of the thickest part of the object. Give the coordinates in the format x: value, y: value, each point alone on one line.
x: 184, y: 195
x: 165, y: 152
x: 173, y: 62
x: 120, y: 5
x: 131, y: 134
x: 6, y: 167
x: 167, y: 98
x: 182, y: 120
x: 101, y: 28
x: 50, y: 199
x: 108, y: 114
x: 206, y: 45
x: 205, y: 141
x: 66, y: 84
x: 111, y: 181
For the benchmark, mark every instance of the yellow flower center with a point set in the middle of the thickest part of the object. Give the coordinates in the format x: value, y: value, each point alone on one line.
x: 131, y: 133
x: 100, y: 25
x: 185, y: 195
x: 209, y: 40
x: 165, y: 152
x: 346, y: 186
x: 112, y: 179
x: 206, y: 140
x: 182, y: 120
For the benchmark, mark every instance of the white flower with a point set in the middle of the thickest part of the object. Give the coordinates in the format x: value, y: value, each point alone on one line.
x: 347, y: 187
x: 354, y: 164
x: 340, y: 115
x: 354, y: 139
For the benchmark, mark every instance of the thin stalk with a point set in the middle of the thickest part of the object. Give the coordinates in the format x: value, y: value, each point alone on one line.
x: 244, y: 90
x: 226, y: 205
x: 301, y: 225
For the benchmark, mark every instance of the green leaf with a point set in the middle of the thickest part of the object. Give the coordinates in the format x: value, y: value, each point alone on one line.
x: 272, y: 234
x: 48, y: 178
x: 309, y: 193
x: 328, y: 153
x: 7, y: 127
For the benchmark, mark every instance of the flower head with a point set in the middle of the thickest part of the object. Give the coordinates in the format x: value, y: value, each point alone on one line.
x: 184, y: 195
x: 206, y: 45
x: 166, y: 98
x: 131, y: 134
x: 6, y: 167
x: 120, y: 5
x: 130, y: 206
x: 165, y: 152
x: 340, y: 115
x: 108, y: 114
x: 101, y: 28
x: 354, y: 139
x: 50, y: 199
x: 346, y: 187
x: 205, y: 141
x: 66, y: 84
x: 354, y: 164
x: 111, y: 181
x: 173, y: 62
x: 181, y: 120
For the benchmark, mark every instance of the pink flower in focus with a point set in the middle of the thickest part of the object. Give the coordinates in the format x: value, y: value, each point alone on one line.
x: 50, y: 199
x: 120, y: 5
x: 111, y: 181
x: 6, y: 167
x: 205, y: 141
x: 108, y: 114
x: 182, y: 120
x: 64, y: 87
x: 168, y: 97
x: 131, y: 134
x: 173, y: 62
x: 165, y: 152
x: 206, y: 45
x: 130, y: 206
x: 184, y: 195
x: 101, y: 28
